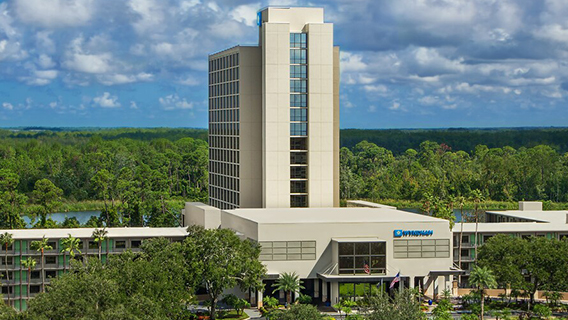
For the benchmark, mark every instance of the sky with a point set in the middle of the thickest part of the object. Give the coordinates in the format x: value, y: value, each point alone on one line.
x: 404, y: 63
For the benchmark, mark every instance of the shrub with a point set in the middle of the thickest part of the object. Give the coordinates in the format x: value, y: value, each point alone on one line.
x: 270, y: 302
x: 542, y: 311
x: 304, y: 299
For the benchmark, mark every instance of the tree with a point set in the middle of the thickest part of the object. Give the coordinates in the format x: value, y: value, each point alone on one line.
x: 482, y: 278
x: 30, y: 264
x: 11, y: 201
x: 99, y: 236
x: 461, y: 203
x: 6, y: 241
x: 69, y: 245
x: 103, y: 182
x: 297, y: 312
x: 477, y: 198
x: 405, y: 305
x: 218, y: 259
x: 41, y: 246
x: 48, y: 197
x: 288, y: 282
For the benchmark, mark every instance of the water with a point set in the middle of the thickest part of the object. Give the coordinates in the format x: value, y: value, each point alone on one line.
x: 59, y: 217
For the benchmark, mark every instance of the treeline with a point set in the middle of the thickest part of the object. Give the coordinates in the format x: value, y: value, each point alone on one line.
x: 134, y: 178
x: 502, y: 174
x: 400, y: 140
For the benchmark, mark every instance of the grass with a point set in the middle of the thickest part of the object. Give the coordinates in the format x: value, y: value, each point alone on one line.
x: 234, y: 316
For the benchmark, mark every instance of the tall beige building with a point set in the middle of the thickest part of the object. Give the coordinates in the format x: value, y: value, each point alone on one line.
x: 274, y: 115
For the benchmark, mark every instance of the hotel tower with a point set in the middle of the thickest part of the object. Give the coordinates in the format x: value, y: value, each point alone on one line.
x: 274, y: 115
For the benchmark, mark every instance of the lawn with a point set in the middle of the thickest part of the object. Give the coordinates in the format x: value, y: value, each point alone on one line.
x: 234, y: 316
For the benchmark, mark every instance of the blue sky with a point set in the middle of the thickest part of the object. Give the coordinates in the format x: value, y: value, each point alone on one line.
x: 405, y: 63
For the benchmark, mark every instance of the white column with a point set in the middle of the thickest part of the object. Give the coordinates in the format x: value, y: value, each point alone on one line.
x: 259, y: 298
x: 334, y: 293
x: 324, y: 294
x: 316, y: 288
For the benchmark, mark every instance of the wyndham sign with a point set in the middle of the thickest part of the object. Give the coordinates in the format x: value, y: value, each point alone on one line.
x: 412, y: 233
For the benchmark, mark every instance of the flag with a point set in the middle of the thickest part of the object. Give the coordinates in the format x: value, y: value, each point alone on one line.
x: 366, y: 267
x: 395, y: 280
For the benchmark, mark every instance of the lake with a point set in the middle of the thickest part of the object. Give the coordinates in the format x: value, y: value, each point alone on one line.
x: 59, y: 217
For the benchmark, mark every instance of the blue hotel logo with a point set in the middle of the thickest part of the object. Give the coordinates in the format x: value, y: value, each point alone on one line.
x: 259, y: 19
x: 412, y: 233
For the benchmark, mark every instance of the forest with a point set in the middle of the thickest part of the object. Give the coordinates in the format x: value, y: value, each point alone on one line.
x: 141, y: 177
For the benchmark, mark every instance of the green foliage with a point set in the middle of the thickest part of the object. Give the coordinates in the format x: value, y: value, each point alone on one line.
x: 236, y: 303
x: 405, y: 305
x: 270, y: 302
x: 218, y: 260
x: 288, y: 282
x: 469, y: 316
x: 442, y: 310
x: 304, y: 299
x: 296, y: 312
x: 542, y: 311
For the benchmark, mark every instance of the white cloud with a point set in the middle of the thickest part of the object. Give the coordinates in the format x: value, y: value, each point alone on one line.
x: 45, y: 61
x: 372, y: 108
x: 80, y: 61
x: 245, y: 13
x: 395, y: 106
x: 173, y: 102
x: 107, y: 101
x: 189, y: 81
x: 7, y: 106
x: 133, y: 105
x: 55, y: 13
x: 150, y: 15
x: 378, y: 89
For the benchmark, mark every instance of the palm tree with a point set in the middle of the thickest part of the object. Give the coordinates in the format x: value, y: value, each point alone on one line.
x: 41, y: 246
x: 477, y: 198
x: 29, y: 264
x: 288, y: 282
x: 100, y: 235
x: 482, y: 278
x: 69, y: 245
x: 6, y: 241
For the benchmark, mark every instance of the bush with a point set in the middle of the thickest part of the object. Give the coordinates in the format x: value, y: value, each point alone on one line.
x: 354, y: 317
x: 270, y: 302
x: 304, y: 299
x: 296, y: 312
x: 542, y: 311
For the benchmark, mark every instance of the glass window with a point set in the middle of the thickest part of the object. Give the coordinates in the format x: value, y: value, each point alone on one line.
x: 120, y: 244
x: 135, y: 243
x: 378, y: 248
x: 50, y: 260
x: 298, y: 100
x: 50, y: 273
x: 298, y: 187
x: 299, y: 172
x: 298, y: 158
x: 361, y: 248
x: 298, y: 71
x: 298, y: 56
x: 298, y: 201
x: 299, y: 86
x: 360, y: 256
x: 298, y: 114
x: 346, y: 262
x: 298, y: 129
x: 298, y: 40
x: 93, y: 245
x: 346, y: 248
x: 298, y: 144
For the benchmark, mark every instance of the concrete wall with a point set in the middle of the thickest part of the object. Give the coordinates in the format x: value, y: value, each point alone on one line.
x: 197, y: 213
x: 336, y: 141
x: 323, y: 233
x: 250, y: 120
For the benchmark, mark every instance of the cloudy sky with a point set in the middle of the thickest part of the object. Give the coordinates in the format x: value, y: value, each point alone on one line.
x: 405, y: 63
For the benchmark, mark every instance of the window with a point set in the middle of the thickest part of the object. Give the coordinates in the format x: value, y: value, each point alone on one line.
x: 135, y: 243
x: 298, y: 40
x: 427, y: 248
x: 53, y: 245
x: 3, y: 261
x: 50, y: 273
x: 298, y: 114
x: 355, y: 257
x: 50, y: 260
x: 298, y: 158
x: 299, y: 86
x: 298, y: 100
x: 298, y: 144
x: 287, y: 250
x: 298, y: 187
x: 299, y: 129
x: 35, y: 275
x: 299, y: 172
x: 298, y: 56
x: 93, y: 245
x: 298, y: 201
x: 120, y: 244
x: 34, y: 289
x: 298, y: 71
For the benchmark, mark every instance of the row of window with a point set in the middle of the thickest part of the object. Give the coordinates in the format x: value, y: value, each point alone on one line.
x: 223, y: 198
x: 224, y: 89
x: 91, y: 244
x: 230, y: 115
x: 298, y: 172
x: 224, y: 156
x: 298, y: 56
x: 299, y: 114
x: 225, y: 129
x: 299, y: 129
x: 224, y: 142
x: 298, y: 40
x: 299, y: 71
x: 221, y: 171
x: 298, y: 201
x: 426, y: 248
x: 287, y: 250
x: 299, y: 100
x: 224, y: 182
x: 226, y: 102
x: 298, y: 186
x: 299, y: 86
x: 224, y: 75
x: 227, y: 61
